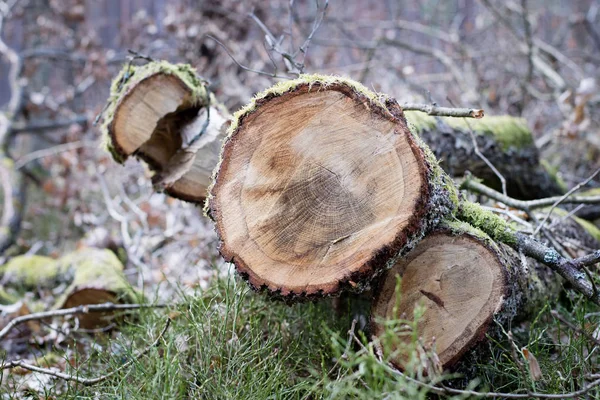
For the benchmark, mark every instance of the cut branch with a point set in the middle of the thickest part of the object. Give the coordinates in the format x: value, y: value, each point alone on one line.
x: 466, y: 282
x: 434, y: 110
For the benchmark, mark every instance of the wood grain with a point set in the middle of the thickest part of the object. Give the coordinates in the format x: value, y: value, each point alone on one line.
x: 313, y: 185
x: 460, y: 281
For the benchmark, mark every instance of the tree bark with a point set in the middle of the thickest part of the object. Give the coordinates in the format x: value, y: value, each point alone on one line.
x: 505, y: 141
x: 321, y: 186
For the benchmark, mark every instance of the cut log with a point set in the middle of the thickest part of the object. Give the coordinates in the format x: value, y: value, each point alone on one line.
x: 465, y: 281
x: 505, y: 141
x: 163, y: 114
x: 321, y: 186
x: 88, y: 276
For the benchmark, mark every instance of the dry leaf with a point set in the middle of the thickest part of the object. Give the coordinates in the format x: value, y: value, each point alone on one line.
x: 534, y: 367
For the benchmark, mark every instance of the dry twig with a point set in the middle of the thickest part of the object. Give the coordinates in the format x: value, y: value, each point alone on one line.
x: 432, y: 109
x: 87, y: 381
x: 82, y: 309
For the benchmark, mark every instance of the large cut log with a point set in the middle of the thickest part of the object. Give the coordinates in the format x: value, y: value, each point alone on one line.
x: 470, y: 285
x: 321, y: 186
x: 505, y: 141
x: 165, y: 115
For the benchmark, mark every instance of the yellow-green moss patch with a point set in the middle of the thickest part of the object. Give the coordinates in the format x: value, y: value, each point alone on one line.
x: 496, y: 227
x: 506, y: 130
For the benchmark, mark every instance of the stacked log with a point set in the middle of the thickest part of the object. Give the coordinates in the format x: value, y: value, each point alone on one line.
x: 321, y: 187
x: 504, y: 141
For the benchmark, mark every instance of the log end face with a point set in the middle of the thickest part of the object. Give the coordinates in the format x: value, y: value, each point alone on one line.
x: 318, y: 188
x: 459, y: 280
x: 153, y: 111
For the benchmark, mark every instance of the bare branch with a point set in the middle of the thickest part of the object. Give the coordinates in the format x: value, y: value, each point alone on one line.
x: 564, y: 197
x: 432, y: 109
x: 526, y: 205
x: 51, y: 151
x: 49, y: 125
x: 14, y: 200
x: 82, y: 309
x: 88, y: 381
x: 256, y: 71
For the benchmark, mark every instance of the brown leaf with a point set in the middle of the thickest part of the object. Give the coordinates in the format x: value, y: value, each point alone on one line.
x: 534, y: 367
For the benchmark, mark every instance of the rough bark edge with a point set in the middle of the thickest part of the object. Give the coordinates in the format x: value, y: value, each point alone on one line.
x: 126, y: 81
x: 439, y: 197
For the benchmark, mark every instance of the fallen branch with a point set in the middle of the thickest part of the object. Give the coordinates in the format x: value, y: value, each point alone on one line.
x: 526, y: 205
x: 87, y: 381
x: 432, y: 109
x: 83, y: 309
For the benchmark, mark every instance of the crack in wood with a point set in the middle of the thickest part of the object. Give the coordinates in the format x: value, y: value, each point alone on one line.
x: 433, y: 297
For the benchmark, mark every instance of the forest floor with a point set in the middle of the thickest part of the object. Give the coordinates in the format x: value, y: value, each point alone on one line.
x: 226, y: 341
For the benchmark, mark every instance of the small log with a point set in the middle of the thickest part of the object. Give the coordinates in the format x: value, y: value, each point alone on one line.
x: 466, y: 281
x: 165, y: 115
x: 89, y: 276
x: 321, y: 186
x: 505, y: 141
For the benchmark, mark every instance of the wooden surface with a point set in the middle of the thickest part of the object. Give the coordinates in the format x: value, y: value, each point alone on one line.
x: 314, y: 187
x: 156, y: 120
x: 461, y: 283
x: 140, y: 110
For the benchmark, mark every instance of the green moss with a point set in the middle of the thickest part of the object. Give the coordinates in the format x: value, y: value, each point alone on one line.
x: 28, y: 272
x: 590, y: 192
x: 95, y: 268
x: 7, y: 298
x: 506, y: 130
x: 497, y: 228
x: 420, y: 121
x: 131, y: 75
x: 438, y: 177
x: 85, y: 268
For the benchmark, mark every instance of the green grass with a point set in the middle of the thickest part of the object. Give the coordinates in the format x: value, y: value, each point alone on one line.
x: 230, y: 343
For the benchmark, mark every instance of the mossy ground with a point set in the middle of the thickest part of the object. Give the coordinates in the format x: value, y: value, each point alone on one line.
x: 230, y: 343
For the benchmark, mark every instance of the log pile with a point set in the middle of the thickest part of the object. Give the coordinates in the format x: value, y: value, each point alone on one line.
x: 322, y: 187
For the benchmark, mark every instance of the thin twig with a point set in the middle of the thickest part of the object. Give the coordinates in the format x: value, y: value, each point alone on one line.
x: 256, y: 71
x: 484, y: 158
x: 525, y: 205
x: 51, y: 151
x: 432, y: 109
x: 564, y: 197
x: 82, y: 309
x: 88, y: 381
x: 562, y: 319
